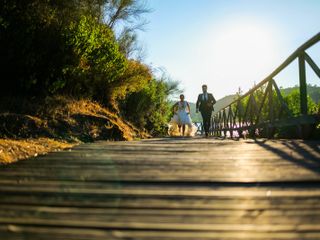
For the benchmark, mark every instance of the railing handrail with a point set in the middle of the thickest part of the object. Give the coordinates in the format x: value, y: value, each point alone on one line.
x: 289, y: 60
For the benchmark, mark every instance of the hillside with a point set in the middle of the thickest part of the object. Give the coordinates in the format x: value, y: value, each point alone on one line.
x: 223, y: 102
x: 313, y: 92
x: 37, y: 127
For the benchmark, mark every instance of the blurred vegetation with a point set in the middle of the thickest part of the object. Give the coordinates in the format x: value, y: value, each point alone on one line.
x: 150, y: 108
x: 82, y: 49
x: 313, y: 92
x: 292, y: 98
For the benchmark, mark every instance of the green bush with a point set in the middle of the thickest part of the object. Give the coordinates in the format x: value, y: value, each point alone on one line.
x: 293, y: 101
x: 134, y: 79
x: 149, y: 108
x: 99, y: 62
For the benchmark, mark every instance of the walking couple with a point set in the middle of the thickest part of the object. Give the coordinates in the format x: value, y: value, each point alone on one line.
x: 181, y: 122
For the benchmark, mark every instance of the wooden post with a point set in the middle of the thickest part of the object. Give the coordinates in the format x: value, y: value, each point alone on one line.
x: 230, y: 116
x: 270, y: 128
x: 224, y: 123
x: 303, y: 85
x: 221, y: 122
x: 219, y: 116
x: 303, y: 94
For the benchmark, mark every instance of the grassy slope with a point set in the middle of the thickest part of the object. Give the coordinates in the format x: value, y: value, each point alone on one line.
x: 13, y: 150
x: 30, y: 128
x: 313, y: 91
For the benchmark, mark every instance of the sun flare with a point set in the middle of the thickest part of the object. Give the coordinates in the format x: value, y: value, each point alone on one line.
x: 242, y: 53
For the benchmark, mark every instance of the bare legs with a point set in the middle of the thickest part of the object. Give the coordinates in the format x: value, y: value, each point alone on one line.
x: 183, y: 126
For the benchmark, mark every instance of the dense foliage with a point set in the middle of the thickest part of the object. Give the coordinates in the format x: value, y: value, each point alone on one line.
x: 313, y: 92
x: 99, y: 62
x: 149, y: 108
x: 293, y: 101
x: 82, y: 49
x: 292, y: 98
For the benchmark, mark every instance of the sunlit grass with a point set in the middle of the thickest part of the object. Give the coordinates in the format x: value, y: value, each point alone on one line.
x: 14, y: 150
x: 58, y: 123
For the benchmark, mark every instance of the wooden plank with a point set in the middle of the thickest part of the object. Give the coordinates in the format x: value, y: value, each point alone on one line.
x: 165, y: 225
x: 141, y: 219
x: 16, y: 232
x: 168, y: 202
x: 176, y: 176
x: 25, y: 232
x: 161, y: 191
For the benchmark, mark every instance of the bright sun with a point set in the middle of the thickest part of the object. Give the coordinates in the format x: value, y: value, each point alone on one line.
x: 241, y: 53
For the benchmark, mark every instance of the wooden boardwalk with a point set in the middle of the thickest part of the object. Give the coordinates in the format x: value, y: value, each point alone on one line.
x: 186, y: 189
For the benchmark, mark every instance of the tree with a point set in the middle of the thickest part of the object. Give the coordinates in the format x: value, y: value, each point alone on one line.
x: 99, y: 63
x: 293, y: 101
x: 134, y: 79
x: 125, y: 17
x: 33, y: 48
x: 150, y: 108
x: 125, y: 11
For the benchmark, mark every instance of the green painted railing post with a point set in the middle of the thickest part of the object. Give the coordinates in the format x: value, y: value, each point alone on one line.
x: 303, y: 85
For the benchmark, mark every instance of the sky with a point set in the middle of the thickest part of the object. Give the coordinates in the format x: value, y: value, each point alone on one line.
x: 228, y: 44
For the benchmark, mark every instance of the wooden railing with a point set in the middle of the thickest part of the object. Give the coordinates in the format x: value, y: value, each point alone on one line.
x: 263, y: 111
x: 199, y: 126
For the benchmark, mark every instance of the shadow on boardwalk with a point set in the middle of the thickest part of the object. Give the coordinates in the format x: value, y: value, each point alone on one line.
x: 305, y: 154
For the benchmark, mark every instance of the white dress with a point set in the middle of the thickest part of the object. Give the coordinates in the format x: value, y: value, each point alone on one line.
x: 181, y: 117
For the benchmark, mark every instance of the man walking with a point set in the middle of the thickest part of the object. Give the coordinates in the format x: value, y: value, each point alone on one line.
x: 205, y: 104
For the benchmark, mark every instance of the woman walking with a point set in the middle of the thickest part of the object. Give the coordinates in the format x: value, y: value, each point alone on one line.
x: 181, y: 123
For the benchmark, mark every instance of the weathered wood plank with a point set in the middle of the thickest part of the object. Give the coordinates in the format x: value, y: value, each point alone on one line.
x: 25, y: 232
x: 156, y: 190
